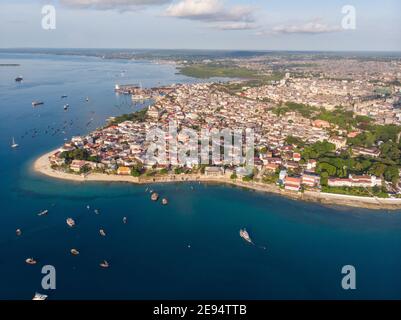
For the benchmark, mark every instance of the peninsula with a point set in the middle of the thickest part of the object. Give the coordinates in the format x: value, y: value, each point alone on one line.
x: 321, y: 133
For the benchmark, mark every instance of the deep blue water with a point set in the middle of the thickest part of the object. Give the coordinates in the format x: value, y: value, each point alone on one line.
x: 307, y: 244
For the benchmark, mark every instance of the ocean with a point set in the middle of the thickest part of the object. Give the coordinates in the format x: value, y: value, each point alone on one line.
x: 189, y: 249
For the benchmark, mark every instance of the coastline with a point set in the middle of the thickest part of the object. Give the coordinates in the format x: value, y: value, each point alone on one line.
x: 42, y: 166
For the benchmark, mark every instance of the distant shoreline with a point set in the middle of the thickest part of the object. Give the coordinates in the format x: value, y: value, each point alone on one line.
x: 42, y: 165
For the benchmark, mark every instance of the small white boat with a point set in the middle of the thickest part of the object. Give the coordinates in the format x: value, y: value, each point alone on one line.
x: 70, y: 222
x: 87, y: 99
x: 245, y: 235
x: 18, y: 232
x: 39, y: 296
x: 42, y: 213
x: 74, y: 252
x: 96, y: 211
x: 164, y: 201
x: 104, y: 264
x: 66, y: 106
x: 102, y: 232
x: 30, y: 261
x: 88, y: 207
x: 13, y: 144
x: 154, y: 196
x: 125, y: 220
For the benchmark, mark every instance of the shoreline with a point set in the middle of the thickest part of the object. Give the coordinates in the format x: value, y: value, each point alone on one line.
x: 42, y: 166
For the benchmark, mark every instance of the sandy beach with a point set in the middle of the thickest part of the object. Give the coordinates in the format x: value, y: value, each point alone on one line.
x: 42, y: 166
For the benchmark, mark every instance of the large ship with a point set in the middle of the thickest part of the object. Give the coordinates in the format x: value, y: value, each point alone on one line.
x: 245, y: 235
x: 37, y: 103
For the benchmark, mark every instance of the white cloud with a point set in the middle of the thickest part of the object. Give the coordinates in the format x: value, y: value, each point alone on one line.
x: 111, y: 4
x: 312, y: 27
x: 236, y: 26
x: 210, y: 11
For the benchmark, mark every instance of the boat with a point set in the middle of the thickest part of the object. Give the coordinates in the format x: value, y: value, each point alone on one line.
x: 88, y: 207
x: 245, y: 235
x: 74, y: 252
x: 125, y: 220
x: 70, y: 222
x: 64, y: 96
x: 87, y: 99
x: 104, y: 264
x: 30, y: 261
x: 19, y: 79
x: 39, y: 296
x: 154, y: 196
x: 42, y: 213
x: 102, y: 233
x: 66, y: 106
x: 13, y: 144
x: 96, y: 211
x: 164, y: 201
x: 37, y: 103
x: 18, y: 232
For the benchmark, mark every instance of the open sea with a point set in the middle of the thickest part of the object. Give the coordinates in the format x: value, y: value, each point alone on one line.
x: 190, y: 249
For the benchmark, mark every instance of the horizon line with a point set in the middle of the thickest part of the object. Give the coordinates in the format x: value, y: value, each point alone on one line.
x: 198, y: 49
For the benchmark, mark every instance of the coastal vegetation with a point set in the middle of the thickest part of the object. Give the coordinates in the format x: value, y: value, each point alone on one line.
x: 138, y: 116
x: 210, y: 70
x: 78, y: 154
x: 357, y: 191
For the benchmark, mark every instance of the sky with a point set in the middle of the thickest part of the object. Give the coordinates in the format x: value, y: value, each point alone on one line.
x: 205, y: 24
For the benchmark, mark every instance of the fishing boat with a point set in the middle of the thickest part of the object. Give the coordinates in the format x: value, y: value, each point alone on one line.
x: 42, y: 213
x: 39, y: 296
x: 102, y: 232
x: 104, y: 264
x: 13, y: 144
x: 74, y: 252
x: 19, y: 79
x: 154, y: 196
x: 37, y: 103
x: 30, y: 261
x: 18, y: 232
x: 164, y: 201
x: 125, y: 220
x: 70, y: 222
x: 245, y: 235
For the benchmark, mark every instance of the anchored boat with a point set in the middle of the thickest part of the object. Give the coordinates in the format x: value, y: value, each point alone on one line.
x: 13, y: 144
x: 30, y: 261
x: 104, y: 264
x: 245, y: 235
x: 39, y: 296
x: 42, y: 213
x: 70, y: 222
x: 37, y: 103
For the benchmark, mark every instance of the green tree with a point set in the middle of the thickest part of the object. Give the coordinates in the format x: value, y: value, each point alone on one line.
x: 392, y: 174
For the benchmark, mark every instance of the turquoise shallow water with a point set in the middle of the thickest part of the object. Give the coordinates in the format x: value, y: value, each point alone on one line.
x: 307, y: 244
